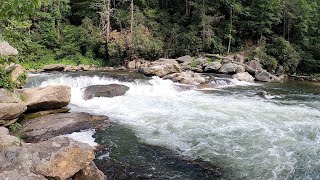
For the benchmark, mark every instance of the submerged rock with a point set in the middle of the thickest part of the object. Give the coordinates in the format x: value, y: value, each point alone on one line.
x: 46, y: 98
x: 57, y: 158
x: 110, y: 90
x: 46, y: 127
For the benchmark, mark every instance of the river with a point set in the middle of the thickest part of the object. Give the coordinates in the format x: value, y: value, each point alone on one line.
x: 245, y: 135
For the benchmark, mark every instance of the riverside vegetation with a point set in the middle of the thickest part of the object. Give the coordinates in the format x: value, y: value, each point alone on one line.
x: 107, y: 32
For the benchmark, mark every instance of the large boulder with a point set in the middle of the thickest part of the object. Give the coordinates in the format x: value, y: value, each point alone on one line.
x: 161, y: 67
x: 45, y: 98
x: 212, y: 67
x: 57, y: 158
x: 244, y: 76
x: 229, y: 68
x: 184, y: 59
x: 264, y: 76
x: 110, y: 90
x: 255, y: 64
x: 45, y: 127
x: 7, y: 96
x: 187, y: 77
x: 9, y: 112
x: 54, y: 67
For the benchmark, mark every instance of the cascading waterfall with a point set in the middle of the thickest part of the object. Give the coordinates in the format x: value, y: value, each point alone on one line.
x: 248, y: 136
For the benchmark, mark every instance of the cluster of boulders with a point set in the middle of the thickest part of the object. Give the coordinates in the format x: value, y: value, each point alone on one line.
x: 42, y: 154
x: 186, y: 69
x: 70, y: 68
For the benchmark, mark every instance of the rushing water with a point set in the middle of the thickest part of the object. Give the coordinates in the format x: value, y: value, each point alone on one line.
x: 248, y: 136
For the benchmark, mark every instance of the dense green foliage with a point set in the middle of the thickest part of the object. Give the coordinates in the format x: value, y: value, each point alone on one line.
x: 278, y: 32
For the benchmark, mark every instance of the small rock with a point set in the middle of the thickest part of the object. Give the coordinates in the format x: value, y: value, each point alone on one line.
x: 131, y: 64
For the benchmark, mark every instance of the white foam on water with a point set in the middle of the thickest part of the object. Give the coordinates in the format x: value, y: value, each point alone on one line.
x: 250, y: 138
x: 84, y: 137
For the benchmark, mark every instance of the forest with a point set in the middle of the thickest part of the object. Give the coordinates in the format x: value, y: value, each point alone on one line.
x: 108, y: 32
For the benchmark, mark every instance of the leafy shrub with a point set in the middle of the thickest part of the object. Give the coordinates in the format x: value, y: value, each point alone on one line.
x: 286, y: 55
x: 5, y: 80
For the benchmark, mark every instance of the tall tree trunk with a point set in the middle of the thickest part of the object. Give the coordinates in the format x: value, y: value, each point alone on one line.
x: 230, y: 35
x: 58, y: 22
x: 131, y: 30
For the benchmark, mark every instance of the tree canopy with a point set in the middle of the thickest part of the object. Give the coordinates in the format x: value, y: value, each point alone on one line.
x: 281, y: 32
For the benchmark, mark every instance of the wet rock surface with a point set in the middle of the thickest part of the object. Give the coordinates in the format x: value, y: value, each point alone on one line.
x: 110, y: 90
x: 46, y: 127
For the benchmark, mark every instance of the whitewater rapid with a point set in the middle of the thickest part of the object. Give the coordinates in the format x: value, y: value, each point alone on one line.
x: 248, y: 136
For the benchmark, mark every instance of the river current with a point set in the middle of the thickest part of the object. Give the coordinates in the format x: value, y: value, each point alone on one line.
x: 247, y: 136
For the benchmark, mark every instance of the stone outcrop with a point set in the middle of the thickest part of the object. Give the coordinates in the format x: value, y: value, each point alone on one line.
x: 244, y: 76
x: 212, y: 67
x: 45, y: 98
x: 57, y: 158
x: 187, y: 77
x: 45, y: 127
x: 110, y: 90
x: 184, y: 59
x: 254, y: 64
x: 264, y: 76
x: 161, y: 67
x: 229, y: 68
x: 54, y: 67
x: 9, y: 112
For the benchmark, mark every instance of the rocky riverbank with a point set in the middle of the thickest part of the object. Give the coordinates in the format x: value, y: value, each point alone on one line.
x: 37, y: 117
